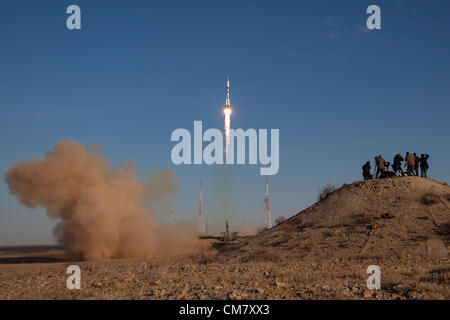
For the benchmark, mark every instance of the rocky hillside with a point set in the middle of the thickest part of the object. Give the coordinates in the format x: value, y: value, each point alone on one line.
x: 388, y: 218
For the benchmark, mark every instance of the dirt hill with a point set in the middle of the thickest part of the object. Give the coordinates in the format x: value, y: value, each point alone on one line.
x: 387, y: 218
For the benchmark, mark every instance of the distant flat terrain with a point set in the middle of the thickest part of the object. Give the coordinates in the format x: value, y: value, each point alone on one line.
x: 30, y: 248
x: 31, y: 254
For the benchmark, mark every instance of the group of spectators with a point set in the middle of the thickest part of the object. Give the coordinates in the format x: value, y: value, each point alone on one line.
x: 412, y: 164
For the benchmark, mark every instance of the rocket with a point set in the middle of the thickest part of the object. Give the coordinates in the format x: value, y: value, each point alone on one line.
x: 227, y: 102
x: 227, y: 113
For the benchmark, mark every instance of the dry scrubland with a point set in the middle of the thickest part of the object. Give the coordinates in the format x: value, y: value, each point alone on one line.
x: 323, y: 252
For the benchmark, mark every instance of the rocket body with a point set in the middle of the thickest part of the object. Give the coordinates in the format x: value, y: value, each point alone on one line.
x: 227, y: 101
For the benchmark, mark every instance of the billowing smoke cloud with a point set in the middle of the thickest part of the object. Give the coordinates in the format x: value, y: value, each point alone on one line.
x: 158, y: 189
x: 102, y: 211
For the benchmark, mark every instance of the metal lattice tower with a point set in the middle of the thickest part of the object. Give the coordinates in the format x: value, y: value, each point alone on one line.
x: 200, y: 212
x: 267, y: 217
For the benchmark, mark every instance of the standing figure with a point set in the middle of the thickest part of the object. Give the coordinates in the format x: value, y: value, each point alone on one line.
x: 381, y: 165
x: 416, y: 164
x: 410, y: 159
x: 366, y: 171
x: 424, y: 165
x: 397, y: 166
x: 376, y: 171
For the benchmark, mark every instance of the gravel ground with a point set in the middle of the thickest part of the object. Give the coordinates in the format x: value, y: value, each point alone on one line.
x: 199, y: 277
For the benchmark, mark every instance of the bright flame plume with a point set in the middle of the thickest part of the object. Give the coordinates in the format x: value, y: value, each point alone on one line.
x: 227, y: 112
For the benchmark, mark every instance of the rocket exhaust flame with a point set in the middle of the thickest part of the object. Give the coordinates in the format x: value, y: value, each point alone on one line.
x: 227, y: 112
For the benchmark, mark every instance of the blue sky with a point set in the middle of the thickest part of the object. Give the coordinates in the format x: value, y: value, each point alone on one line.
x: 137, y: 70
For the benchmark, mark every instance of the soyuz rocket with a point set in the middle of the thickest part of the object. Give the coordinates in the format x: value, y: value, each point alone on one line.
x: 227, y: 101
x: 227, y: 113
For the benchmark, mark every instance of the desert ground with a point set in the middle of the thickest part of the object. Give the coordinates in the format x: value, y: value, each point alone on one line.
x: 399, y: 224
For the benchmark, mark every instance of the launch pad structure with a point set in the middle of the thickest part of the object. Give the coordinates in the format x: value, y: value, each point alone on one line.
x: 267, y: 217
x: 201, y: 219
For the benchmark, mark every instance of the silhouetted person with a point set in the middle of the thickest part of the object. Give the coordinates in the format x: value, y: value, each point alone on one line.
x: 397, y: 166
x: 366, y: 171
x: 424, y: 165
x: 386, y: 173
x: 416, y: 164
x: 381, y: 165
x: 410, y: 159
x: 376, y: 170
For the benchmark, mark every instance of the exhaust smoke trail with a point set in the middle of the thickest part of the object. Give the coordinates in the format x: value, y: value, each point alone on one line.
x: 222, y: 185
x: 227, y: 112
